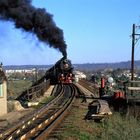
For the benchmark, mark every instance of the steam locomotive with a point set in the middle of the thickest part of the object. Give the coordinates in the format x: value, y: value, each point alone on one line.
x: 62, y: 72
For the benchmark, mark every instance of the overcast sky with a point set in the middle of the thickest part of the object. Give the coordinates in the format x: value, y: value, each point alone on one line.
x: 95, y: 31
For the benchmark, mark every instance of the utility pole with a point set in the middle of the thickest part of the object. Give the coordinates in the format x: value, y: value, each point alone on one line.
x: 132, y: 56
x: 133, y: 50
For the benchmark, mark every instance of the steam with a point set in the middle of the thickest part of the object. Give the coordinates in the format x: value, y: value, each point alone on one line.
x: 35, y: 20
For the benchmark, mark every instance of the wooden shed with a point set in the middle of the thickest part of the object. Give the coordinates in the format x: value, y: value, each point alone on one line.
x: 3, y: 92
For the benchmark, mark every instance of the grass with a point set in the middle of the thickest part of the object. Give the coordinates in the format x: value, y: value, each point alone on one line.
x: 44, y: 101
x: 120, y: 128
x: 18, y: 86
x: 116, y: 127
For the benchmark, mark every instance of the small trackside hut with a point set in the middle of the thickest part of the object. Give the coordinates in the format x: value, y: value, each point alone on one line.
x: 3, y: 92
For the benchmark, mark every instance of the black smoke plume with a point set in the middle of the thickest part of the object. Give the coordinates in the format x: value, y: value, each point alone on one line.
x: 35, y: 20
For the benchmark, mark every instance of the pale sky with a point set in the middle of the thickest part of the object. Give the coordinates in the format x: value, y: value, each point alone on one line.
x: 95, y: 31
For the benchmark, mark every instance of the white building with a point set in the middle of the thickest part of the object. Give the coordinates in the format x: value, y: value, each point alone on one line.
x: 31, y: 71
x: 80, y: 75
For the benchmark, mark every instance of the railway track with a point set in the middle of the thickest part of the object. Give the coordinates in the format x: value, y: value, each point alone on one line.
x: 88, y: 85
x: 88, y: 88
x: 42, y: 122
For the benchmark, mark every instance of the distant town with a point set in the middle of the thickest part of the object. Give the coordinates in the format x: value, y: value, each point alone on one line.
x: 86, y: 71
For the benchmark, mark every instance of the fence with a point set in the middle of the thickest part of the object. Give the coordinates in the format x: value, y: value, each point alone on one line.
x: 34, y: 92
x: 132, y: 90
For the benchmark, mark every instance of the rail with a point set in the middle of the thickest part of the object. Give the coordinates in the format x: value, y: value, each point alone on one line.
x: 44, y: 120
x: 61, y: 114
x: 27, y: 121
x: 94, y: 89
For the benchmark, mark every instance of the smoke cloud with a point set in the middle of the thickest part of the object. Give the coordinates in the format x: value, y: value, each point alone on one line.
x: 35, y: 20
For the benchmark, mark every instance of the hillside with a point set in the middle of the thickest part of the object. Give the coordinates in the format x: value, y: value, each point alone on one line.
x: 98, y: 66
x: 86, y: 66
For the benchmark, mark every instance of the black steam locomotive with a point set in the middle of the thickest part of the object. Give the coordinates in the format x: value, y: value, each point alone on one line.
x: 62, y: 72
